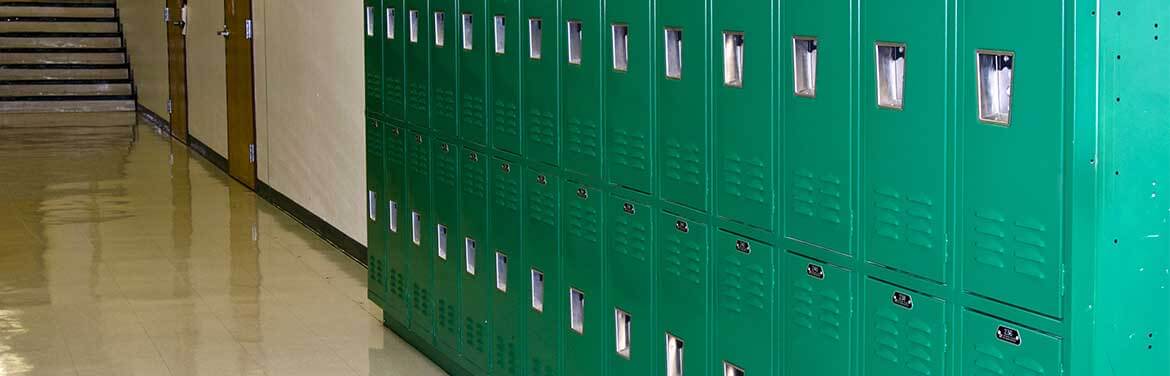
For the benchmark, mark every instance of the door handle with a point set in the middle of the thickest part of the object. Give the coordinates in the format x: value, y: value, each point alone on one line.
x: 225, y: 33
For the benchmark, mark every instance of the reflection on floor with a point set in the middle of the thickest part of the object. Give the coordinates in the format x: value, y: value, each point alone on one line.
x: 124, y: 255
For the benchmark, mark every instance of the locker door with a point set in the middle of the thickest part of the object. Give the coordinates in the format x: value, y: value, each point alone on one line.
x: 818, y: 318
x: 817, y: 139
x: 906, y: 332
x: 629, y: 68
x: 743, y: 81
x: 586, y: 320
x: 681, y: 102
x: 681, y: 298
x: 444, y: 44
x: 1012, y: 157
x: 376, y: 217
x: 904, y: 123
x: 418, y: 42
x: 505, y: 74
x: 580, y: 63
x: 398, y: 223
x: 509, y: 282
x: 629, y: 288
x: 545, y: 301
x: 421, y: 238
x: 539, y: 45
x: 994, y: 347
x: 474, y: 35
x: 393, y: 63
x: 477, y: 256
x: 745, y: 272
x: 373, y: 31
x: 447, y: 253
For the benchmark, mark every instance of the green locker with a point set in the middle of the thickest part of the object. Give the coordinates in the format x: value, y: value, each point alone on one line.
x: 995, y: 347
x: 584, y: 268
x: 903, y: 123
x: 373, y: 50
x: 681, y: 103
x: 629, y: 81
x: 540, y: 43
x: 818, y: 149
x: 421, y: 243
x: 393, y: 59
x: 398, y: 219
x: 418, y: 70
x: 448, y: 256
x: 818, y: 318
x: 477, y: 280
x: 542, y: 266
x: 580, y: 66
x: 745, y: 271
x: 629, y: 288
x: 680, y: 299
x: 743, y: 105
x: 474, y: 34
x: 1010, y: 183
x: 905, y: 331
x: 444, y: 66
x: 509, y: 295
x: 504, y: 66
x: 376, y: 218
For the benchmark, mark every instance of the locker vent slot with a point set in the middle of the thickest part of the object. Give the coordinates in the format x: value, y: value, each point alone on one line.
x: 501, y: 34
x: 674, y: 40
x: 621, y: 321
x: 621, y: 47
x: 577, y: 311
x: 468, y: 32
x: 369, y: 21
x: 501, y: 272
x: 440, y: 35
x: 731, y: 370
x: 995, y: 86
x: 537, y: 290
x: 390, y: 23
x: 441, y: 232
x: 804, y: 65
x: 469, y: 255
x: 393, y: 217
x: 416, y: 228
x: 534, y: 29
x: 733, y: 59
x: 674, y: 355
x: 413, y: 26
x: 891, y: 74
x: 574, y: 42
x: 373, y: 205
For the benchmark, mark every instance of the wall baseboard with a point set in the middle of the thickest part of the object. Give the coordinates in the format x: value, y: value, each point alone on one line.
x: 153, y: 118
x: 333, y: 235
x: 207, y: 153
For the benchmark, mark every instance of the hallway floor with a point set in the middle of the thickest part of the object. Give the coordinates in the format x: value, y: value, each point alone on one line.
x: 134, y: 257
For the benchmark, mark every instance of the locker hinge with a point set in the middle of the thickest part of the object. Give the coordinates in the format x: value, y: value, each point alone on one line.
x: 1063, y: 270
x: 248, y: 29
x: 166, y: 14
x: 252, y: 153
x: 170, y: 106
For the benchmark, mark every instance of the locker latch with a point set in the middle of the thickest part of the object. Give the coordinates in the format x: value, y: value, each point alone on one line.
x: 1008, y: 335
x: 903, y: 300
x: 542, y: 180
x: 446, y: 148
x: 682, y: 226
x: 582, y: 193
x: 816, y: 271
x: 628, y: 208
x: 743, y: 246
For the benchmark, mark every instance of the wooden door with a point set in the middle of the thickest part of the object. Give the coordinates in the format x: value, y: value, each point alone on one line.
x: 177, y: 66
x: 241, y: 106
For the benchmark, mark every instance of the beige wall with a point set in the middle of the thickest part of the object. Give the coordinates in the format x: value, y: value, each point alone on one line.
x: 207, y: 75
x: 146, y: 41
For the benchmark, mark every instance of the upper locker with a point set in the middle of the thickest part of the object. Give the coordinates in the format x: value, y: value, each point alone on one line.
x: 417, y: 53
x: 473, y: 50
x: 744, y: 111
x: 904, y: 122
x: 505, y: 75
x: 393, y: 61
x: 373, y: 49
x: 818, y: 150
x: 581, y: 86
x: 539, y: 35
x: 629, y: 79
x: 1011, y: 136
x: 444, y: 66
x: 681, y: 103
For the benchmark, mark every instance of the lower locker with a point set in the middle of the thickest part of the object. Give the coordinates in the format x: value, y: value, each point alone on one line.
x: 421, y: 242
x: 508, y: 297
x: 818, y: 318
x: 905, y: 332
x: 629, y: 288
x: 447, y: 251
x: 476, y: 271
x: 542, y: 265
x: 991, y: 346
x: 745, y: 272
x: 377, y: 216
x: 397, y: 223
x: 681, y: 299
x: 583, y: 261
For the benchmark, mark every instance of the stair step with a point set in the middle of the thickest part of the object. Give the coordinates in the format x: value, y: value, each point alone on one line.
x: 64, y: 74
x: 68, y: 119
x: 66, y: 90
x: 40, y: 10
x: 60, y: 42
x: 82, y: 104
x: 62, y: 58
x: 60, y: 27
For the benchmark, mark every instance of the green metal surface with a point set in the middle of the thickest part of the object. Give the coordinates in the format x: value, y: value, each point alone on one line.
x: 445, y: 46
x: 378, y: 216
x: 745, y: 278
x: 539, y: 49
x: 681, y: 301
x: 505, y: 221
x: 418, y: 69
x: 421, y: 240
x: 583, y: 268
x: 393, y: 60
x: 373, y: 33
x: 473, y: 55
x: 504, y: 68
x: 905, y: 331
x: 543, y: 268
x: 681, y: 105
x: 629, y: 285
x: 448, y: 258
x: 628, y: 93
x: 818, y: 318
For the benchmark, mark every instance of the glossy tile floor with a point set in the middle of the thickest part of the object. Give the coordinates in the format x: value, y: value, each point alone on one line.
x: 123, y: 255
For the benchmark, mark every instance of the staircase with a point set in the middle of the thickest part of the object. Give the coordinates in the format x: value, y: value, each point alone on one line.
x: 63, y: 63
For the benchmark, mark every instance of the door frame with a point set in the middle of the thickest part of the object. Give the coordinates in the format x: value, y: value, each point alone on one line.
x: 176, y: 33
x: 241, y: 90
